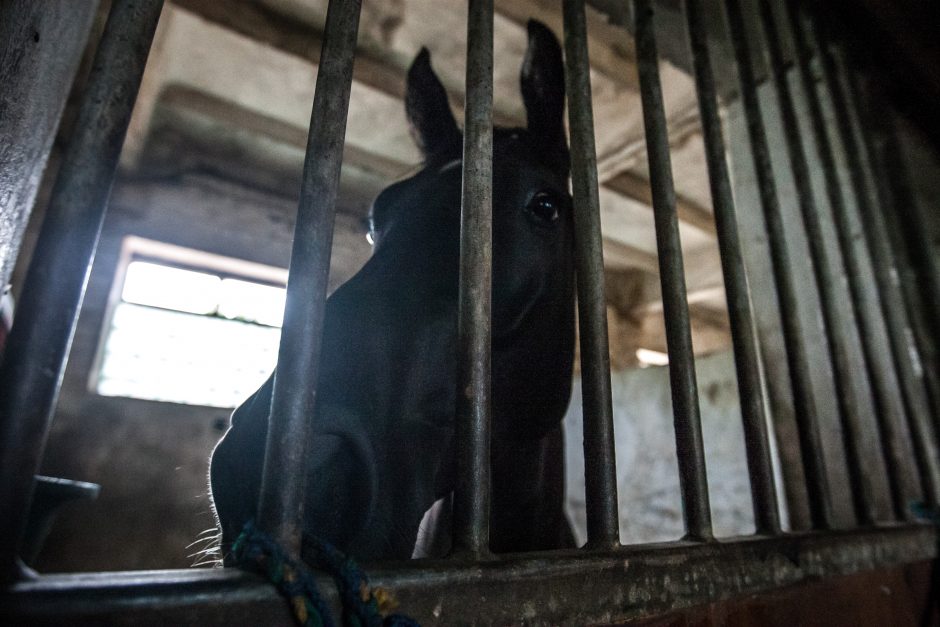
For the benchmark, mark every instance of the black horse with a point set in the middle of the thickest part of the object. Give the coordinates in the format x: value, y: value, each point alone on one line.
x: 383, y: 448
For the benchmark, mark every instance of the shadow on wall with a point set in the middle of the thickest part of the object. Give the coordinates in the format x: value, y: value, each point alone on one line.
x: 647, y: 470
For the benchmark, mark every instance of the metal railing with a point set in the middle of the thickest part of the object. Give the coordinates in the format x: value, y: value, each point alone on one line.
x: 883, y: 317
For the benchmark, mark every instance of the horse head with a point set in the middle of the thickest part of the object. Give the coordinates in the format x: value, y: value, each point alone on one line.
x: 384, y: 424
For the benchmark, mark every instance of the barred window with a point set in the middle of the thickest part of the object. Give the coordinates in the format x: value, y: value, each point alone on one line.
x: 189, y: 327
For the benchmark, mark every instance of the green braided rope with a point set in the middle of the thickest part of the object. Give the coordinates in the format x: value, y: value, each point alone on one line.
x: 363, y: 606
x: 254, y: 549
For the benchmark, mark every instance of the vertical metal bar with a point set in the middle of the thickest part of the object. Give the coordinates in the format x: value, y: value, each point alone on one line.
x: 797, y: 358
x: 904, y: 236
x: 836, y: 328
x: 904, y: 352
x: 916, y: 234
x: 599, y: 455
x: 687, y: 420
x: 744, y: 340
x: 472, y: 488
x: 873, y: 334
x: 38, y: 345
x: 281, y: 502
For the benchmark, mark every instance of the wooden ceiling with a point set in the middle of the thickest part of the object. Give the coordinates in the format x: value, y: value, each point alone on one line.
x: 233, y: 80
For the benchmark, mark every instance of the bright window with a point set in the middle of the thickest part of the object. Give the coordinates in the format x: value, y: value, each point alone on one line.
x: 189, y: 327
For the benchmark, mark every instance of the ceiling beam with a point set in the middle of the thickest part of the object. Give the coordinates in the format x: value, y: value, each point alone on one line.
x: 383, y: 74
x: 257, y: 123
x: 616, y: 253
x: 612, y: 50
x: 683, y: 125
x: 258, y: 22
x: 710, y: 334
x: 621, y: 255
x: 638, y: 188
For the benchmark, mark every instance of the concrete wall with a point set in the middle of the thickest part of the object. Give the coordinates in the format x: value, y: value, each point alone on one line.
x: 37, y: 39
x: 647, y: 470
x: 151, y: 458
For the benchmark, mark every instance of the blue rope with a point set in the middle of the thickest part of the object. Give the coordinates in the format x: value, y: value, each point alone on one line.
x: 922, y: 511
x: 363, y: 606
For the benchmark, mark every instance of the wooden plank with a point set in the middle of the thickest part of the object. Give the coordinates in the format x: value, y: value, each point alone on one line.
x: 386, y: 75
x: 611, y: 47
x: 902, y: 596
x: 258, y: 22
x: 636, y: 187
x: 616, y: 253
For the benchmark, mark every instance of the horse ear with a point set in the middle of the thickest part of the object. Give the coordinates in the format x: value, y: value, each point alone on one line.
x: 433, y: 126
x: 543, y: 89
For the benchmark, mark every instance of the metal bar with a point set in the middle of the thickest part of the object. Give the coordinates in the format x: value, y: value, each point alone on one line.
x: 690, y: 448
x: 603, y: 522
x: 472, y: 487
x: 874, y: 339
x: 562, y: 589
x: 743, y: 337
x: 39, y: 342
x: 281, y: 502
x: 901, y: 234
x: 919, y: 246
x: 890, y: 299
x: 811, y: 449
x: 840, y: 331
x: 904, y: 352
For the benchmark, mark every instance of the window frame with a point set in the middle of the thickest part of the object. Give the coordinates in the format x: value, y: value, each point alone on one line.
x: 136, y: 248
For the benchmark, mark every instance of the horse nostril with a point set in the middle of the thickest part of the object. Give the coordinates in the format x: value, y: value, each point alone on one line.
x: 544, y: 208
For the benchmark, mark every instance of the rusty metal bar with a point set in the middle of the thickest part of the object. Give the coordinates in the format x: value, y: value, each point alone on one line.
x: 600, y: 459
x: 472, y: 487
x: 811, y: 448
x: 841, y: 332
x: 744, y: 340
x: 567, y: 589
x: 280, y: 505
x: 904, y: 352
x: 38, y: 345
x: 884, y: 381
x: 690, y: 448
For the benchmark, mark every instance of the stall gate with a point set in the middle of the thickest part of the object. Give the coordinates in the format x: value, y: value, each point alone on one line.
x: 603, y: 581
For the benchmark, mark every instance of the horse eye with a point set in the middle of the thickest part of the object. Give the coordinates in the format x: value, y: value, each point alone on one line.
x: 544, y: 208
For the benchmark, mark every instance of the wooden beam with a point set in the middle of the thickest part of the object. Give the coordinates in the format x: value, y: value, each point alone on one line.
x: 387, y: 75
x: 683, y: 124
x: 698, y: 296
x: 252, y: 121
x: 636, y: 187
x: 612, y: 50
x: 258, y: 22
x: 616, y: 253
x: 710, y: 333
x: 375, y: 69
x: 620, y: 255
